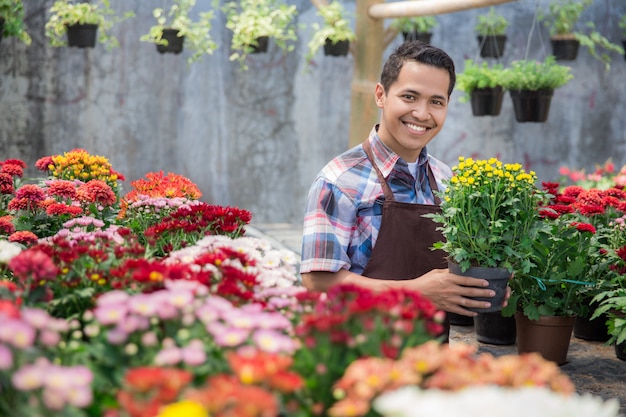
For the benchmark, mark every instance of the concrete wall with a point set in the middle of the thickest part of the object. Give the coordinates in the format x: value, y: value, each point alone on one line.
x: 256, y: 139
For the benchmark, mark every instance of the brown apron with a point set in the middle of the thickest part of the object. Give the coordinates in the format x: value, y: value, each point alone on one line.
x: 403, y: 247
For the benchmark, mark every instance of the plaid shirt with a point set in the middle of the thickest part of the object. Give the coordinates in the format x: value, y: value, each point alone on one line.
x: 344, y: 208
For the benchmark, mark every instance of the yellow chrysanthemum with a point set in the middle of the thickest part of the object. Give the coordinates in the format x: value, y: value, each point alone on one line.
x: 184, y: 408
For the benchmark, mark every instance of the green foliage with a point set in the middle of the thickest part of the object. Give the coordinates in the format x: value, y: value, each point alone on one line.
x: 595, y: 39
x: 64, y: 13
x: 536, y: 75
x: 476, y: 76
x: 336, y: 28
x: 197, y: 33
x: 252, y: 19
x: 491, y: 23
x: 563, y: 15
x: 419, y: 24
x: 12, y: 11
x: 622, y: 25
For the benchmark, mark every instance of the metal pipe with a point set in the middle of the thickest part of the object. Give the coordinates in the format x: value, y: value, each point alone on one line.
x: 427, y: 7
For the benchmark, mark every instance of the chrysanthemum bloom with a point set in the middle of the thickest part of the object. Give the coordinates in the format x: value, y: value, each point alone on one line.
x: 96, y: 191
x: 13, y: 170
x: 62, y: 188
x: 31, y: 192
x: 25, y: 237
x: 6, y: 183
x: 185, y: 408
x: 33, y: 264
x: 6, y: 225
x: 44, y: 164
x: 59, y: 209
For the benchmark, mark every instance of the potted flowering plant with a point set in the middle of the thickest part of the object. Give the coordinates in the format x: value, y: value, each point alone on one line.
x: 491, y: 31
x: 175, y: 28
x: 254, y: 22
x: 488, y: 213
x: 12, y: 20
x: 81, y: 21
x: 482, y: 85
x: 335, y: 35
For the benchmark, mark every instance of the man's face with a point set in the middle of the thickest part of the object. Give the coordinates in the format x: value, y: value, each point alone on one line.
x: 414, y: 109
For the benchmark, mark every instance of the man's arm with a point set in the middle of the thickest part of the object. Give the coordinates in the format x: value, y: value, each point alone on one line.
x: 448, y: 291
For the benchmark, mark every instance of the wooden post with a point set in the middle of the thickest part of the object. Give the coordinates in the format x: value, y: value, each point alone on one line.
x: 370, y: 45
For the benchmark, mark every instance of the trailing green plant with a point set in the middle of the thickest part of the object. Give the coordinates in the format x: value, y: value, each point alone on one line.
x: 336, y: 28
x: 475, y: 76
x: 419, y: 24
x: 491, y: 24
x: 622, y: 25
x: 251, y: 19
x: 196, y: 33
x: 64, y: 13
x: 562, y: 18
x: 536, y: 75
x: 12, y: 16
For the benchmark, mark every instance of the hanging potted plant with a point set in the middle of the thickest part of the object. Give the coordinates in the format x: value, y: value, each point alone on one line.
x: 335, y: 35
x: 562, y: 18
x: 531, y: 85
x: 546, y: 299
x: 254, y: 22
x: 175, y: 28
x: 491, y: 31
x: 622, y: 25
x: 482, y: 85
x: 80, y: 24
x: 416, y: 27
x: 12, y: 21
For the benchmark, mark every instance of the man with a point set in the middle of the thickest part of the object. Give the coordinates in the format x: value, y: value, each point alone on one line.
x: 364, y: 219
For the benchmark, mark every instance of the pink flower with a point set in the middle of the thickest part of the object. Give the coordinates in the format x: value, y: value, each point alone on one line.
x: 6, y: 358
x: 17, y: 333
x: 28, y: 377
x: 33, y: 264
x: 168, y: 357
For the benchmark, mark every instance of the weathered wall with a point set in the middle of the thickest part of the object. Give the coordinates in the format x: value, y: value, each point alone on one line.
x: 256, y: 139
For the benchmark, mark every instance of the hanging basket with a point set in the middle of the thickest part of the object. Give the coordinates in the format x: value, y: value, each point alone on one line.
x: 420, y: 36
x: 565, y: 49
x: 82, y: 36
x: 1, y: 27
x: 339, y: 48
x: 491, y: 46
x: 531, y: 106
x: 487, y: 101
x: 261, y: 46
x: 174, y: 42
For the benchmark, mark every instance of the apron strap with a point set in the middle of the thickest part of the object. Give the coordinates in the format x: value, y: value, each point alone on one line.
x: 383, y: 182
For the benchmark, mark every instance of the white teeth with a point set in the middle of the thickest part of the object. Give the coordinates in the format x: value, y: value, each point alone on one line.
x: 415, y: 127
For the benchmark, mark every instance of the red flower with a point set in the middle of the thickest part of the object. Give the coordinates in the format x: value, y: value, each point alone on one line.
x: 33, y: 264
x: 62, y: 188
x: 24, y: 237
x: 17, y: 162
x: 584, y: 227
x: 31, y: 192
x: 96, y: 191
x: 59, y: 209
x: 44, y: 164
x: 13, y: 170
x: 6, y: 225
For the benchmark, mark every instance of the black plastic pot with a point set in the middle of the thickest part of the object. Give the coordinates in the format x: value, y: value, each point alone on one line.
x: 340, y: 48
x: 1, y: 27
x: 565, y: 49
x: 174, y: 42
x: 624, y: 43
x: 593, y: 330
x: 420, y: 36
x: 495, y: 329
x: 82, y: 36
x: 531, y: 106
x: 487, y: 101
x: 620, y: 351
x: 460, y: 320
x: 498, y: 279
x: 491, y: 46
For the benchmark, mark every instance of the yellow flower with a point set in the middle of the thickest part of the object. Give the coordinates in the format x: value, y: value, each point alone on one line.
x: 184, y: 408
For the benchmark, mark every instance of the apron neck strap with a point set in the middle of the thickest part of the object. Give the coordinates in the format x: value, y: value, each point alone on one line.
x: 383, y: 182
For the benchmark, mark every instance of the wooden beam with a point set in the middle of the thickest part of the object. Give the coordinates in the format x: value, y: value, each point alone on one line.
x: 427, y: 7
x: 371, y: 43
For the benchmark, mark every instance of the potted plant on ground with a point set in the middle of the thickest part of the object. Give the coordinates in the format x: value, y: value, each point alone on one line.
x: 12, y: 20
x: 562, y: 18
x: 175, y: 28
x: 482, y: 85
x: 491, y: 30
x: 531, y: 85
x: 546, y: 299
x: 254, y: 22
x: 335, y: 35
x: 488, y: 211
x: 80, y: 22
x: 416, y: 27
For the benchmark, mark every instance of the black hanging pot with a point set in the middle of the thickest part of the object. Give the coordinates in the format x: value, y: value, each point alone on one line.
x: 339, y: 48
x: 624, y: 43
x: 487, y: 101
x: 531, y: 105
x: 565, y: 49
x: 491, y: 46
x: 420, y: 36
x: 261, y: 45
x: 1, y: 27
x: 82, y: 35
x: 174, y: 42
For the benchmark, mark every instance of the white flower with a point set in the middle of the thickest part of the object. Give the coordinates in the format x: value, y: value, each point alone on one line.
x: 8, y: 250
x: 492, y: 401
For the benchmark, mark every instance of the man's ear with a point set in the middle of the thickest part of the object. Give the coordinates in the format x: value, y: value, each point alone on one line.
x: 379, y: 94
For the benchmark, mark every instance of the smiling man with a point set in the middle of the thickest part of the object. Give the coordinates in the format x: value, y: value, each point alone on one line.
x: 364, y: 219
